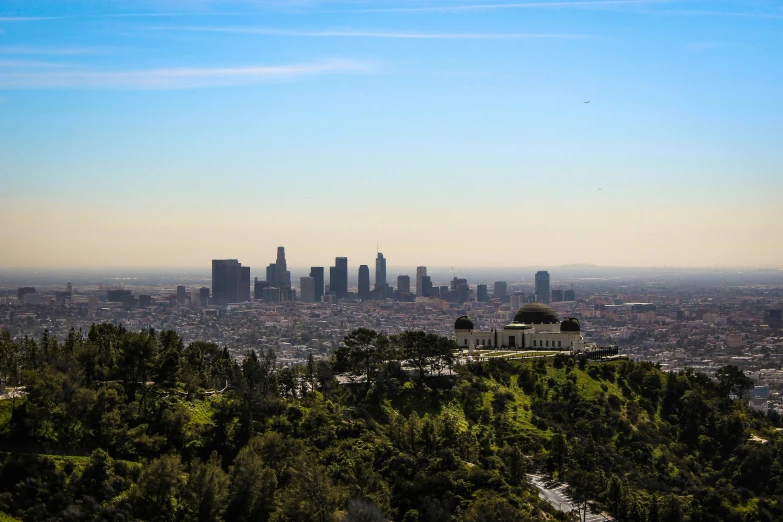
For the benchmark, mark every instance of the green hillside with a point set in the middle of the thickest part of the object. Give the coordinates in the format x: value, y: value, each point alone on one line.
x: 121, y: 425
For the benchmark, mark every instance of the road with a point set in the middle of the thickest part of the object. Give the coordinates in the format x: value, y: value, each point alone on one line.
x: 9, y: 393
x: 558, y: 497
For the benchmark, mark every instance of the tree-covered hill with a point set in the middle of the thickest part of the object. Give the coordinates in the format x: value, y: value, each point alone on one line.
x: 120, y: 425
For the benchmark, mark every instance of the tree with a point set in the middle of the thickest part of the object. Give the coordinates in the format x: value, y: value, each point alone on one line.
x: 94, y: 480
x: 733, y: 381
x: 515, y: 465
x: 493, y: 509
x: 558, y: 454
x: 253, y: 488
x: 615, y: 496
x: 360, y: 510
x: 137, y: 353
x: 205, y: 496
x: 168, y: 359
x: 654, y: 510
x: 366, y: 350
x: 158, y: 487
x: 443, y: 354
x: 416, y: 348
x: 310, y: 371
x: 672, y: 510
x: 311, y: 497
x: 10, y: 365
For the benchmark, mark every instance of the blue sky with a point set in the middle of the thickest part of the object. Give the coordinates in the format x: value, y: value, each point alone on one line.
x: 166, y: 133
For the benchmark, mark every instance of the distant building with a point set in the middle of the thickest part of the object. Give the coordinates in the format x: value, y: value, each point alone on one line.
x: 181, y: 297
x: 380, y: 275
x: 404, y: 284
x: 145, y: 301
x: 557, y: 296
x: 735, y: 340
x: 500, y: 289
x: 482, y: 294
x: 281, y: 273
x: 271, y: 275
x: 61, y: 297
x: 307, y: 289
x: 270, y: 294
x: 203, y: 295
x: 426, y: 286
x: 542, y: 287
x: 230, y: 281
x: 421, y: 271
x: 114, y: 295
x: 258, y: 289
x: 244, y: 284
x: 773, y: 318
x: 338, y: 277
x: 569, y: 295
x: 24, y: 290
x: 364, y: 282
x: 317, y: 273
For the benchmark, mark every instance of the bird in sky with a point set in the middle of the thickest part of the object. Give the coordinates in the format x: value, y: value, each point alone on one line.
x: 587, y: 101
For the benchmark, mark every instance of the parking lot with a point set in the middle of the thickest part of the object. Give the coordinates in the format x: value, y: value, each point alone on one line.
x: 556, y: 493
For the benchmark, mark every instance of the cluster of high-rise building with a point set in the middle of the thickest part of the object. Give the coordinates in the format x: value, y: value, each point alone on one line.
x: 231, y: 284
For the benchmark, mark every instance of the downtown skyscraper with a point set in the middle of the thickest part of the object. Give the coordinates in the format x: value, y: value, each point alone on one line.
x: 364, y: 282
x: 421, y: 271
x: 543, y: 295
x: 230, y: 281
x: 338, y: 278
x: 317, y: 273
x: 404, y: 284
x: 380, y: 276
x: 277, y: 274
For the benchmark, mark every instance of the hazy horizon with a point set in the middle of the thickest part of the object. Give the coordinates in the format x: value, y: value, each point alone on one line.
x: 453, y: 134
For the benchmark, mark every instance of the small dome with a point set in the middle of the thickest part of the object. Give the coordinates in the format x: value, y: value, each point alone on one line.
x: 570, y: 325
x: 516, y: 326
x: 536, y: 313
x: 463, y: 323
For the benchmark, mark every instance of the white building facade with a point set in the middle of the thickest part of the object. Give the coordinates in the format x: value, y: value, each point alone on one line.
x: 536, y: 326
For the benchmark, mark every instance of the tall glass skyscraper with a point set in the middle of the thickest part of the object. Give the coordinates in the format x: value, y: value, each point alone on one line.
x: 380, y: 275
x: 364, y: 282
x: 421, y: 271
x: 229, y: 278
x: 542, y: 287
x: 317, y: 273
x: 338, y: 277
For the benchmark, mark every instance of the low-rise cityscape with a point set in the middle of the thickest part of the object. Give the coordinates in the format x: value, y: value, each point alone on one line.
x: 674, y: 323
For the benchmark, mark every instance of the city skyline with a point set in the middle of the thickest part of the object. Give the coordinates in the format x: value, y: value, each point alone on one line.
x: 137, y: 129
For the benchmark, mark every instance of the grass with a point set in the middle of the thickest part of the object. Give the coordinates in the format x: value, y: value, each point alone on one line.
x: 5, y: 413
x: 7, y: 518
x: 201, y: 410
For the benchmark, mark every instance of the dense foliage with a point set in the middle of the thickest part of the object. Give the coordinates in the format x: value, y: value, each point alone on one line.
x: 120, y: 425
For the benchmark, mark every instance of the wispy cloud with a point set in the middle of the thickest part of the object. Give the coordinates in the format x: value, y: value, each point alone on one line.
x: 26, y: 18
x: 29, y: 63
x: 357, y: 33
x: 736, y: 14
x: 580, y: 4
x: 183, y: 14
x: 49, y: 50
x: 174, y: 78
